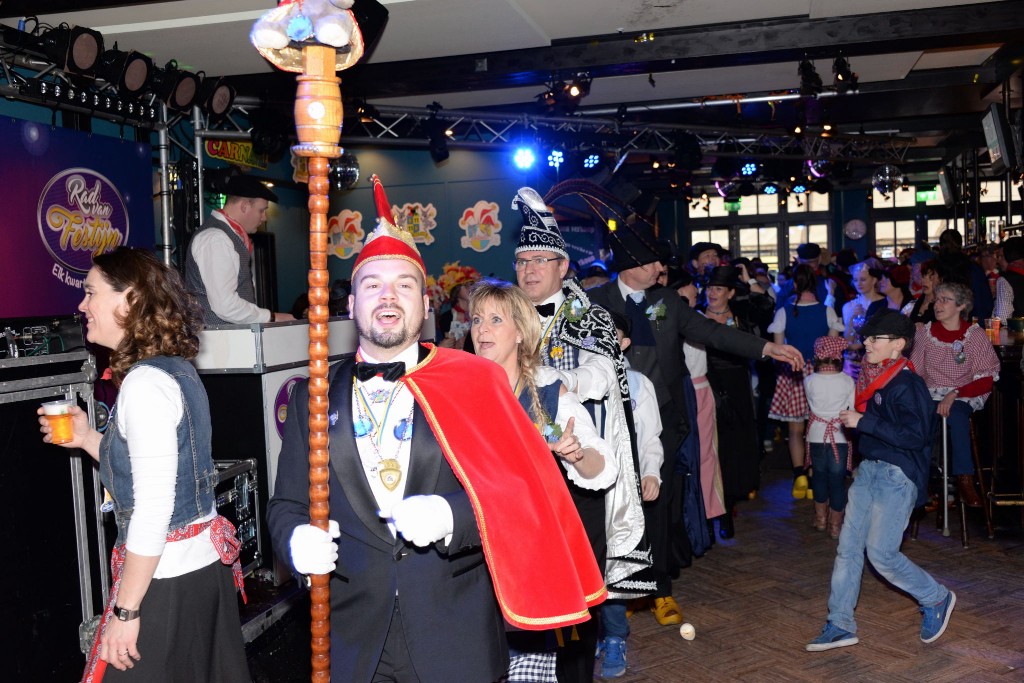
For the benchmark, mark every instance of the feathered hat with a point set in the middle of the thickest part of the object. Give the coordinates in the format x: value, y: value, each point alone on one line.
x: 540, y: 231
x: 387, y: 241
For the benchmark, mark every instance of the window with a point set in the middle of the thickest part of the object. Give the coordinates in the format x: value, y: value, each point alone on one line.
x: 802, y: 234
x: 817, y: 202
x: 719, y: 236
x: 760, y: 242
x: 891, y: 237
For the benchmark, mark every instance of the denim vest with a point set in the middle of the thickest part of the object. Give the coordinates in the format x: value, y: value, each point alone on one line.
x: 197, y: 476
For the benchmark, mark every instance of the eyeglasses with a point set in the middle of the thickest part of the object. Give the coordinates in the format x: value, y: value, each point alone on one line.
x: 946, y: 299
x: 880, y: 337
x: 539, y: 261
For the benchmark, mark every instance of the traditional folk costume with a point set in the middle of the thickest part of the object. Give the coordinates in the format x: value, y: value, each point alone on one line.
x: 578, y: 339
x: 167, y: 508
x: 801, y: 324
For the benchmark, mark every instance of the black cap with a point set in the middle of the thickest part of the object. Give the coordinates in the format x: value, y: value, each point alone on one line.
x: 700, y: 247
x: 808, y: 251
x: 724, y: 276
x: 632, y: 247
x: 1013, y: 249
x: 889, y: 322
x: 248, y: 187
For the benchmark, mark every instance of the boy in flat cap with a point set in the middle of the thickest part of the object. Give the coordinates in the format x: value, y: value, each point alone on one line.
x: 894, y: 416
x: 218, y: 268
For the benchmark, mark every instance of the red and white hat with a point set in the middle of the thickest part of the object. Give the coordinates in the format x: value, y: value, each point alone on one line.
x: 387, y: 241
x: 829, y: 347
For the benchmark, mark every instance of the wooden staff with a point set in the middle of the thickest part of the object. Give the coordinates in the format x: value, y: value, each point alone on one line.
x: 318, y: 115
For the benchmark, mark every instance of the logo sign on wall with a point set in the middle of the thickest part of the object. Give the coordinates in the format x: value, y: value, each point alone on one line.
x: 68, y: 196
x: 236, y: 152
x: 418, y: 219
x: 345, y: 234
x: 281, y: 402
x: 481, y: 225
x: 80, y: 215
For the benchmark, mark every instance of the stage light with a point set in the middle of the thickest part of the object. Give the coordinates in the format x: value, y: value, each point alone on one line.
x: 769, y: 188
x: 819, y: 168
x: 845, y: 79
x: 177, y: 88
x: 580, y: 86
x: 810, y: 81
x: 75, y: 50
x: 436, y: 138
x: 524, y: 158
x: 555, y: 158
x: 748, y: 169
x: 591, y: 161
x: 215, y: 98
x: 798, y: 188
x: 129, y: 72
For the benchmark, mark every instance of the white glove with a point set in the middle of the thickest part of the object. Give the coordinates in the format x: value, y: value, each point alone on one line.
x: 421, y: 520
x: 313, y: 550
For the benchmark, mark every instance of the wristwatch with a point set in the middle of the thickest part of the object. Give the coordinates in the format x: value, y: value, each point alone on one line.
x: 125, y: 614
x: 753, y: 281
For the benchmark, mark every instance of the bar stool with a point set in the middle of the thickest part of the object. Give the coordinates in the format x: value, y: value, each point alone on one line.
x: 941, y: 514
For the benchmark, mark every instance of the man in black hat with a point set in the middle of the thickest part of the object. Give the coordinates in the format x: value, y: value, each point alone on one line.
x: 1010, y: 285
x: 218, y: 268
x: 661, y: 321
x: 835, y: 294
x: 703, y: 257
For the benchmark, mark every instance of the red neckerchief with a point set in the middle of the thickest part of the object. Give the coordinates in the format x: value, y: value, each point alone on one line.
x: 949, y: 336
x: 237, y: 229
x: 891, y: 368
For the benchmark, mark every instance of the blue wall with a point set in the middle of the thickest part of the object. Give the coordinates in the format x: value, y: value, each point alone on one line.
x: 409, y: 176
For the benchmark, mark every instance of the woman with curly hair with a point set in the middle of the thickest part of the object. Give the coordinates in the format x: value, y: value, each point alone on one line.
x: 172, y: 613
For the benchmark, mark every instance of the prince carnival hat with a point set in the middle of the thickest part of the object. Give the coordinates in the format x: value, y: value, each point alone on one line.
x: 540, y: 230
x: 387, y: 241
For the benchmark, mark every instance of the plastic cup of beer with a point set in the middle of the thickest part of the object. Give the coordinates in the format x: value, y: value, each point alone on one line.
x: 58, y: 414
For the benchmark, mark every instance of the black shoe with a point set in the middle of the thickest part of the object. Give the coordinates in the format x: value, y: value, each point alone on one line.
x: 725, y: 526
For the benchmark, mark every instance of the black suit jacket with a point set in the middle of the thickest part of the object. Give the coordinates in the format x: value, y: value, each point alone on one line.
x: 664, y: 363
x: 449, y: 613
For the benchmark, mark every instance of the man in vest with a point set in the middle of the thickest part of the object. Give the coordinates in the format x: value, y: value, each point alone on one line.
x: 219, y: 264
x: 1010, y: 286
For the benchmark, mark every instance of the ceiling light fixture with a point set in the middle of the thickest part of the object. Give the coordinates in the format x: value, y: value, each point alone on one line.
x: 176, y: 87
x: 845, y: 78
x: 810, y: 81
x: 74, y: 49
x: 129, y: 72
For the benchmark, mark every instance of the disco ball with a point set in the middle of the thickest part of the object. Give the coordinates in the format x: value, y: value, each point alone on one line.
x: 344, y: 172
x: 887, y: 178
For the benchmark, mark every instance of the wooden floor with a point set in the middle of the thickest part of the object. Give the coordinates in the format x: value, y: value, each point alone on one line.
x: 757, y: 599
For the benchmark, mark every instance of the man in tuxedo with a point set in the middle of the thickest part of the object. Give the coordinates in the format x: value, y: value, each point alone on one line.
x: 661, y: 321
x: 420, y: 496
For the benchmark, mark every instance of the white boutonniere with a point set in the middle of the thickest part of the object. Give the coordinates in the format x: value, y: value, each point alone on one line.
x: 656, y: 311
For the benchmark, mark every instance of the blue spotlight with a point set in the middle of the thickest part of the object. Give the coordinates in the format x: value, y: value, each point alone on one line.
x: 799, y: 188
x: 555, y: 158
x: 524, y: 158
x: 770, y: 188
x: 749, y: 168
x: 591, y: 161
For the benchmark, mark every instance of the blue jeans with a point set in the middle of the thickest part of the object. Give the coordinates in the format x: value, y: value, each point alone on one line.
x: 959, y: 424
x: 879, y: 507
x: 829, y: 479
x: 613, y: 615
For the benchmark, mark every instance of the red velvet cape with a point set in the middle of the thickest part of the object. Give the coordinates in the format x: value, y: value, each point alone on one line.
x: 540, y: 560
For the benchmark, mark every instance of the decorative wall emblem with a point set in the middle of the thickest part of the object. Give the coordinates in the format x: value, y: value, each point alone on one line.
x: 481, y: 225
x: 345, y: 234
x: 418, y: 219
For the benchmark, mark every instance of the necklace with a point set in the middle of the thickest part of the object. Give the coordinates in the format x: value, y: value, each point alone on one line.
x: 717, y: 312
x: 366, y: 425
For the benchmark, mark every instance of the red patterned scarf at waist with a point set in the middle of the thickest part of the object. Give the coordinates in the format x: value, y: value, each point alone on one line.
x: 224, y: 539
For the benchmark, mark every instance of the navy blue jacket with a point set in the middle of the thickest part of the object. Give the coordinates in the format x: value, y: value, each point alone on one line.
x: 897, y: 428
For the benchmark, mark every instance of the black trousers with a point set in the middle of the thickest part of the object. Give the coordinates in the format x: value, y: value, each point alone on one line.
x: 395, y: 665
x: 574, y: 663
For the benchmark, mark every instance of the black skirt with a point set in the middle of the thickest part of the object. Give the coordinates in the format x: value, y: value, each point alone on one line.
x: 190, y: 631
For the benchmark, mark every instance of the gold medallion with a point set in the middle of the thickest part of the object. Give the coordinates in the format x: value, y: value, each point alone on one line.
x: 390, y: 473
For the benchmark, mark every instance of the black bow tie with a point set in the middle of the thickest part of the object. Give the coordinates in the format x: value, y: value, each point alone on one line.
x: 392, y: 372
x: 545, y: 310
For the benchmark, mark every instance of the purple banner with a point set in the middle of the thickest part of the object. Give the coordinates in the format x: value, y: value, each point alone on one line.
x: 69, y: 196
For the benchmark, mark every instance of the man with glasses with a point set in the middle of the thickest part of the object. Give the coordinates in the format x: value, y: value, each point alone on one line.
x: 578, y: 340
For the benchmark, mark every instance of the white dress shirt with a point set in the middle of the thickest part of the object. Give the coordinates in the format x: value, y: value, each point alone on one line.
x: 218, y: 267
x: 390, y: 413
x: 594, y: 377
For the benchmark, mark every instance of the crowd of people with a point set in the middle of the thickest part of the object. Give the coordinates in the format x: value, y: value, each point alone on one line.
x: 624, y: 409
